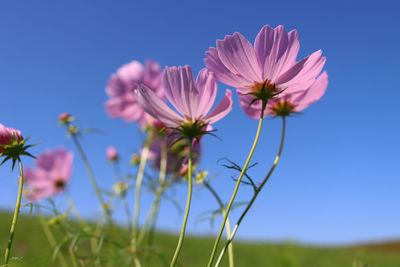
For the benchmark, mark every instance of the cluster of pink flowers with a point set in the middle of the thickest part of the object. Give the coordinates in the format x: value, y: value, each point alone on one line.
x: 177, y: 110
x: 269, y: 68
x: 267, y: 73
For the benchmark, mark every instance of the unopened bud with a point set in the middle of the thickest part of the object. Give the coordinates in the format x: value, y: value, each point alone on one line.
x: 135, y: 159
x: 112, y: 154
x: 65, y: 118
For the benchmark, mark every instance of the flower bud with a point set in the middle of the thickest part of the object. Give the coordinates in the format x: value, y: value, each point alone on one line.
x: 8, y: 136
x: 73, y: 130
x: 200, y: 176
x: 120, y: 188
x: 65, y: 118
x: 135, y: 159
x: 112, y: 154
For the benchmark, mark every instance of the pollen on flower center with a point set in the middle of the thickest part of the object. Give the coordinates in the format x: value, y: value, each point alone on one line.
x: 59, y: 184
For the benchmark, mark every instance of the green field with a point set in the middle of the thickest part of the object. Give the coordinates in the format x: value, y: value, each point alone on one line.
x: 31, y: 248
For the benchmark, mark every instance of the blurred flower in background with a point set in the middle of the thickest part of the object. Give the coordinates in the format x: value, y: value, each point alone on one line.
x: 120, y: 88
x: 51, y: 175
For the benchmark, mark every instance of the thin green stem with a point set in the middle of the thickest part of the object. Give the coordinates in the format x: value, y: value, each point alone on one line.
x: 139, y: 180
x: 185, y: 218
x: 236, y: 189
x: 228, y: 224
x: 257, y: 191
x: 16, y: 213
x: 117, y: 178
x: 152, y: 212
x: 92, y: 178
x: 52, y: 241
x: 162, y: 187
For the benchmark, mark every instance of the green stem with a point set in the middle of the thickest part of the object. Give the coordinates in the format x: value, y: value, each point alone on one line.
x: 50, y: 237
x: 236, y: 189
x: 139, y: 181
x: 228, y: 224
x: 150, y: 215
x: 162, y: 187
x: 16, y: 213
x: 185, y: 218
x: 92, y: 178
x: 278, y: 156
x: 117, y: 178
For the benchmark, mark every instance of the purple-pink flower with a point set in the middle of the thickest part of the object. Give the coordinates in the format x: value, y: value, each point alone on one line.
x: 192, y: 99
x: 120, y: 88
x: 268, y: 69
x: 51, y: 175
x: 7, y: 136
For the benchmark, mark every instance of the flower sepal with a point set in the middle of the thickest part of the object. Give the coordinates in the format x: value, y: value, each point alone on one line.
x: 264, y: 91
x: 193, y: 130
x: 14, y: 150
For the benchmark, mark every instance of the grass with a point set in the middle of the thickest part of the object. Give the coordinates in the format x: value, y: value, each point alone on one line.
x: 32, y: 249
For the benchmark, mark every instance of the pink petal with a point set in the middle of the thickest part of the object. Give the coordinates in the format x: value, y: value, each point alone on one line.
x: 131, y: 72
x: 156, y: 107
x: 180, y: 89
x: 222, y: 109
x: 63, y: 165
x: 116, y: 87
x: 45, y: 161
x: 152, y: 76
x: 207, y: 87
x: 238, y: 56
x: 215, y: 65
x: 302, y: 75
x: 276, y: 50
x: 253, y: 110
x: 124, y: 107
x: 314, y: 93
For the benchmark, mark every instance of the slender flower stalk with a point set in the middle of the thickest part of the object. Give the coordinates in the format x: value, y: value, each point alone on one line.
x: 92, y: 178
x: 153, y: 212
x: 257, y: 191
x: 193, y: 101
x: 228, y: 208
x: 139, y: 180
x: 120, y: 187
x: 185, y: 218
x: 228, y: 224
x: 16, y: 213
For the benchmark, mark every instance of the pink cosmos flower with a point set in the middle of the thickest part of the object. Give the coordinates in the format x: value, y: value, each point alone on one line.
x: 193, y: 100
x: 7, y: 136
x: 51, y: 175
x: 268, y: 68
x: 120, y: 88
x: 112, y: 154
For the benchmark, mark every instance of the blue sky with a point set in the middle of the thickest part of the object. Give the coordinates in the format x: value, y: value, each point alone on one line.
x: 338, y: 180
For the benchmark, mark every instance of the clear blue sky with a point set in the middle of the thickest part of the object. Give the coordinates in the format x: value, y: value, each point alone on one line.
x: 338, y: 180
